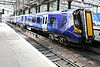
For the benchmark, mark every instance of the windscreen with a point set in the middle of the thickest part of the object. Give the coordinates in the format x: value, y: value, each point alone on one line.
x: 78, y: 20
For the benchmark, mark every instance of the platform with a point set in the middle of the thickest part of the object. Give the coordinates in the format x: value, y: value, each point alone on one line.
x: 17, y: 52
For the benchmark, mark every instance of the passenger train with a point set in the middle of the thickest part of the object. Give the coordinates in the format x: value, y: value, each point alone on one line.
x: 73, y: 25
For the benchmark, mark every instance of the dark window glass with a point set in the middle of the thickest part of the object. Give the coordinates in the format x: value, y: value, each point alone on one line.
x: 45, y: 20
x: 25, y: 18
x: 52, y: 21
x: 33, y: 20
x: 29, y: 19
x: 38, y: 20
x: 22, y: 18
x: 77, y: 19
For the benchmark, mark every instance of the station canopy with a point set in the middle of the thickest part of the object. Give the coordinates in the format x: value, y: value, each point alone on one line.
x: 9, y: 7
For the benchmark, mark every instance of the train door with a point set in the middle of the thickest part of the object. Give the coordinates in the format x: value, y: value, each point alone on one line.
x: 89, y: 25
x: 83, y: 21
x: 44, y: 22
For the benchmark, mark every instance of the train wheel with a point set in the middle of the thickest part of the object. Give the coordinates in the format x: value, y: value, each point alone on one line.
x: 63, y: 41
x: 51, y: 36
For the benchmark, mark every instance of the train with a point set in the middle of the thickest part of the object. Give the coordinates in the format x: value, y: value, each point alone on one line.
x: 72, y: 25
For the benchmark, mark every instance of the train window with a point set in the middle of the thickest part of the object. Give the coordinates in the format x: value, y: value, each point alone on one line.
x: 18, y: 19
x: 33, y: 20
x: 29, y: 19
x: 52, y: 21
x: 22, y: 18
x: 25, y: 18
x: 38, y: 20
x: 77, y: 20
x: 64, y: 20
x: 45, y: 20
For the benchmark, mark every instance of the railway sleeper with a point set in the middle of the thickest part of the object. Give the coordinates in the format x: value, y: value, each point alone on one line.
x: 48, y: 54
x: 54, y: 58
x: 43, y: 52
x: 41, y: 49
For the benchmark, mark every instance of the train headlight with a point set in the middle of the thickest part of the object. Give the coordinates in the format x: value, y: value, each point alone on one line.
x: 76, y: 30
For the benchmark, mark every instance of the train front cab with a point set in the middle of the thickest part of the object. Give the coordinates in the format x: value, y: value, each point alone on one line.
x: 84, y: 25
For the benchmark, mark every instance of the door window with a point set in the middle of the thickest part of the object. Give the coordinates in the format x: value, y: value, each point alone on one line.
x: 43, y: 20
x: 46, y: 20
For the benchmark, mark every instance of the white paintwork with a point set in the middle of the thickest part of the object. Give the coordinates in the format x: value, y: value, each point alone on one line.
x: 44, y: 24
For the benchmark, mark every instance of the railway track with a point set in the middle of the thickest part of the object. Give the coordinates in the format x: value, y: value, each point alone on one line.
x: 53, y: 56
x: 45, y: 50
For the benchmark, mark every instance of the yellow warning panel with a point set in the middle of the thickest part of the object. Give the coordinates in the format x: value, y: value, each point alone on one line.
x: 89, y: 24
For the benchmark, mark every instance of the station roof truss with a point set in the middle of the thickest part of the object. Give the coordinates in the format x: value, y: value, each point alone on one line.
x: 22, y: 4
x: 95, y: 3
x: 5, y: 2
x: 86, y: 3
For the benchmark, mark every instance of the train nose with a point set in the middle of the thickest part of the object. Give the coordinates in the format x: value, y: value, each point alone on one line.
x: 76, y: 30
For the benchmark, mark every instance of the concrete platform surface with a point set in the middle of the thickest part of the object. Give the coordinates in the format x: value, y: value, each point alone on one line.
x: 17, y: 52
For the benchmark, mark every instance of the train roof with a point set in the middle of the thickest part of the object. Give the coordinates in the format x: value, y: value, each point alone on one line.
x: 57, y: 12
